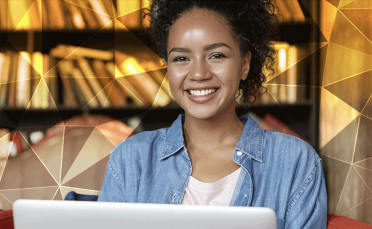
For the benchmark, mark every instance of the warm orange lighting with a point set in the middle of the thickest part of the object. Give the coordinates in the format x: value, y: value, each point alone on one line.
x: 282, y: 59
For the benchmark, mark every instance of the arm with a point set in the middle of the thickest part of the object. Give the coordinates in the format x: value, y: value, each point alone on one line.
x: 308, y: 207
x: 122, y: 174
x: 112, y: 187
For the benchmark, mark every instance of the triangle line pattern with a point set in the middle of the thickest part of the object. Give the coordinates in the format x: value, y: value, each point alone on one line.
x: 76, y: 125
x: 366, y: 116
x: 95, y: 96
x: 26, y: 14
x: 108, y: 94
x: 107, y: 99
x: 348, y: 173
x: 119, y: 16
x: 347, y: 78
x: 362, y: 179
x: 363, y: 167
x: 299, y: 60
x: 132, y: 93
x: 114, y: 11
x: 344, y: 47
x: 15, y: 189
x: 345, y: 8
x: 325, y: 65
x: 42, y: 162
x: 7, y: 158
x: 6, y: 198
x: 88, y: 8
x: 356, y: 205
x: 105, y: 93
x: 50, y: 94
x: 356, y: 138
x: 336, y: 159
x: 55, y: 193
x: 75, y: 158
x: 366, y: 104
x: 343, y: 101
x: 354, y: 26
x: 86, y: 105
x: 288, y: 116
x: 75, y: 49
x: 81, y: 188
x: 63, y: 144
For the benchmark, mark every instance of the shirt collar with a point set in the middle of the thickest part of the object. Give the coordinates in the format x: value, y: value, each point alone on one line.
x: 250, y: 142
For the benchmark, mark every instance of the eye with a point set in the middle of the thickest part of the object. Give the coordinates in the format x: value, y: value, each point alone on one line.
x: 177, y: 59
x: 218, y: 56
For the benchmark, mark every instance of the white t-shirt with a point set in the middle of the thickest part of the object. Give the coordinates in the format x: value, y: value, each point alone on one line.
x: 218, y: 193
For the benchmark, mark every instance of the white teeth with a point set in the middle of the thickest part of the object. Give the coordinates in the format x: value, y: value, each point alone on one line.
x: 202, y: 92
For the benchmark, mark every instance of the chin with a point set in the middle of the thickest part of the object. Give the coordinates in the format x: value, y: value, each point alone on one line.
x: 201, y: 113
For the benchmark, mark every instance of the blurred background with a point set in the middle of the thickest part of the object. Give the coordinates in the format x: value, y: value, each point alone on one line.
x: 79, y: 76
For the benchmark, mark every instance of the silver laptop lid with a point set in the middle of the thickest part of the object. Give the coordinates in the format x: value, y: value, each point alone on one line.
x: 36, y: 214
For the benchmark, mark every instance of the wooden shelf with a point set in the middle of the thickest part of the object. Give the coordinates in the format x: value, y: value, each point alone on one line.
x: 300, y: 116
x: 293, y: 115
x: 103, y: 39
x: 291, y: 32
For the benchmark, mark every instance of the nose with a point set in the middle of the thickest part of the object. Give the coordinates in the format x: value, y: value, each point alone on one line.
x: 200, y: 70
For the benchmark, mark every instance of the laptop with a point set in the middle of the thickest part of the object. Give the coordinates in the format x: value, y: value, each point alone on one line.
x: 40, y: 214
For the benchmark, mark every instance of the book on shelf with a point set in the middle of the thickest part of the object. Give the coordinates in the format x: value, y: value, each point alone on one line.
x: 51, y: 77
x: 73, y: 52
x: 126, y: 86
x: 142, y: 80
x: 114, y: 94
x: 23, y: 89
x: 94, y: 84
x: 91, y: 21
x: 4, y: 73
x: 287, y: 84
x: 75, y: 77
x: 12, y: 78
x: 70, y: 15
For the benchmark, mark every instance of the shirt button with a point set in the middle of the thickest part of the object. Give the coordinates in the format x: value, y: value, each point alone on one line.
x: 239, y: 153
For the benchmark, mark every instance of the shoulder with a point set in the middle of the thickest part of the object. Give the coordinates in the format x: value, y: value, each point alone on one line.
x: 144, y: 138
x: 289, y: 148
x: 139, y: 145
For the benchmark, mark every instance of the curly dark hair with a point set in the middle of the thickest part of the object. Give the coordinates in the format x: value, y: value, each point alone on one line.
x: 252, y: 23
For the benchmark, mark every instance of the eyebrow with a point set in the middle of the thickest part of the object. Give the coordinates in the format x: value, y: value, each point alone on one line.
x: 205, y: 48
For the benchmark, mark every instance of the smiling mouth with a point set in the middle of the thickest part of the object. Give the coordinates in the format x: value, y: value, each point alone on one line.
x: 202, y: 92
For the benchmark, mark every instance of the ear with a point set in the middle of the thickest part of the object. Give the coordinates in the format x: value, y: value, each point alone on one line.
x: 246, y: 60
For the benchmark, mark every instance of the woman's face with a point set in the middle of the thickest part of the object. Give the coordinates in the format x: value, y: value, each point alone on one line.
x: 204, y: 64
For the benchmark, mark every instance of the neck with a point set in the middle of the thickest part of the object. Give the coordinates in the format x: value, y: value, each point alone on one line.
x: 223, y: 129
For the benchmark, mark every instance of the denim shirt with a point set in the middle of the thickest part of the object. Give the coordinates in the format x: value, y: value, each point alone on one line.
x: 280, y: 171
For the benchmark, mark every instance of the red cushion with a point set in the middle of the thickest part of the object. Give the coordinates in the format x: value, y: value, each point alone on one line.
x: 336, y: 222
x: 6, y: 219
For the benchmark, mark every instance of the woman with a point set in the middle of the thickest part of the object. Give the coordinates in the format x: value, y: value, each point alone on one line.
x: 215, y: 50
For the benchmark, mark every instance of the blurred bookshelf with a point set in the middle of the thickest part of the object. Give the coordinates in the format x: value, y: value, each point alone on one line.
x: 83, y: 44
